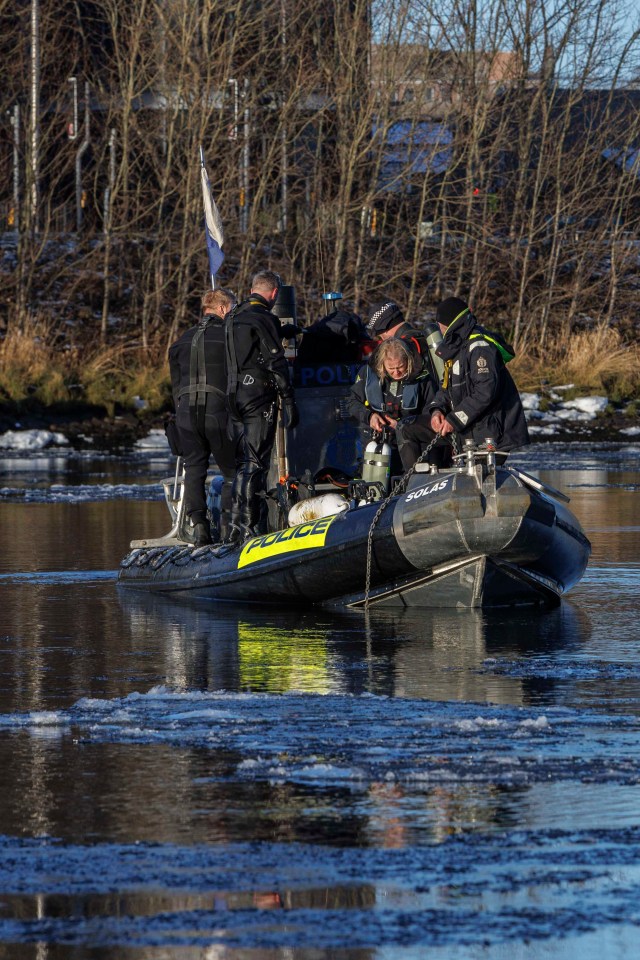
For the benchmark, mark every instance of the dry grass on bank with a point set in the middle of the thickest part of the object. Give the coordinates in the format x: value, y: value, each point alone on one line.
x: 596, y: 361
x: 42, y: 369
x: 34, y: 368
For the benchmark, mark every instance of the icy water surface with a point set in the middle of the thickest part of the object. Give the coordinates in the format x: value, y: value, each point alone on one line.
x: 200, y: 781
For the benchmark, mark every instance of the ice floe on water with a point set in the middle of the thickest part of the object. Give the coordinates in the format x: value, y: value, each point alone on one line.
x: 34, y: 441
x: 83, y: 493
x: 333, y: 739
x: 155, y: 441
x: 462, y: 892
x: 385, y: 765
x: 544, y: 420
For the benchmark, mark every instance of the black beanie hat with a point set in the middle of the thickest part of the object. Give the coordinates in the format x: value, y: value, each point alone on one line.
x: 447, y: 310
x: 382, y: 316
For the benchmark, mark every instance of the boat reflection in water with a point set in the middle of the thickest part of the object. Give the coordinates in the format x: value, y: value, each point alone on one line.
x: 427, y: 654
x: 436, y: 656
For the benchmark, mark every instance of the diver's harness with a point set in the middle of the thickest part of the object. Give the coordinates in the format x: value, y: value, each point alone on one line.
x: 409, y: 396
x: 198, y: 387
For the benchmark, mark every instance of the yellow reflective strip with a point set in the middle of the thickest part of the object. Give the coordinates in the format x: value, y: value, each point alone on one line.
x: 461, y: 314
x: 303, y: 537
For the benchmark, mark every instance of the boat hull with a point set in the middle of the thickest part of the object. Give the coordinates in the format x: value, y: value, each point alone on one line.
x: 452, y: 539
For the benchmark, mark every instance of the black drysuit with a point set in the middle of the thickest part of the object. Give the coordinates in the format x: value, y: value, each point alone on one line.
x: 257, y: 373
x: 199, y: 384
x: 478, y: 395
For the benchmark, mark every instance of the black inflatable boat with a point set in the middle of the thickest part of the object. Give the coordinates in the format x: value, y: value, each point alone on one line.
x: 479, y: 534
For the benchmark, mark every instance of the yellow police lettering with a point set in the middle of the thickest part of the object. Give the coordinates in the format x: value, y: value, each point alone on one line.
x: 286, y: 534
x: 308, y: 535
x: 304, y: 530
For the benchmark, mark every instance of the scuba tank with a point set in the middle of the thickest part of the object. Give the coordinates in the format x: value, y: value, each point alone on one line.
x: 376, y: 463
x: 434, y: 339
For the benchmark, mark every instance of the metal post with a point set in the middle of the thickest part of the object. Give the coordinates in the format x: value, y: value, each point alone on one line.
x: 81, y: 150
x: 112, y: 179
x: 35, y: 111
x: 106, y: 231
x: 245, y: 160
x: 15, y: 124
x: 233, y: 136
x: 234, y: 129
x: 72, y: 133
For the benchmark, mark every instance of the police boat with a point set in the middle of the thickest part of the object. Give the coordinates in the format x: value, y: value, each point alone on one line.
x: 478, y: 534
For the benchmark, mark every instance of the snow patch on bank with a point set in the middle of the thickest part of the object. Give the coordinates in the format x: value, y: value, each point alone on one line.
x: 28, y: 440
x: 561, y: 412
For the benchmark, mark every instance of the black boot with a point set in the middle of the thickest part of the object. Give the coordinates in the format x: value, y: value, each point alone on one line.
x: 202, y: 534
x: 239, y: 533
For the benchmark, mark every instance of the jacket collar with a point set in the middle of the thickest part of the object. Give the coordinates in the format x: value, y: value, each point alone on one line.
x: 456, y: 333
x: 257, y: 300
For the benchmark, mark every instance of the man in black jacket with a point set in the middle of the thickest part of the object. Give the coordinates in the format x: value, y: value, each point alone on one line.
x: 478, y: 397
x: 258, y: 374
x: 199, y: 384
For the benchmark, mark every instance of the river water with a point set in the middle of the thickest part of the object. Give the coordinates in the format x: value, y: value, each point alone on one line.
x: 208, y: 781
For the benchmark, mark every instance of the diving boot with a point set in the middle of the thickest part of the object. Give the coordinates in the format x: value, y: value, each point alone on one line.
x: 237, y: 534
x: 234, y: 536
x: 202, y: 534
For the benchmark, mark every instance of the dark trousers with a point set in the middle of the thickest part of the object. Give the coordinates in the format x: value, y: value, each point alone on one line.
x: 414, y: 434
x: 197, y: 449
x: 253, y: 433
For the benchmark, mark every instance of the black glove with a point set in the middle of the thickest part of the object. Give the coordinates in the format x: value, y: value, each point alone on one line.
x: 290, y: 417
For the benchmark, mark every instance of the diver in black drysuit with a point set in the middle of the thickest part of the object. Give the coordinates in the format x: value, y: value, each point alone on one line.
x: 257, y: 374
x: 199, y: 384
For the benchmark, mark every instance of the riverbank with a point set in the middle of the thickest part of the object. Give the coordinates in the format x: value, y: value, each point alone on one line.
x: 84, y: 426
x: 587, y: 419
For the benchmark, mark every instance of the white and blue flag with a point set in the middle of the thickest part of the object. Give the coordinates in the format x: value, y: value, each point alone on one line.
x: 212, y: 224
